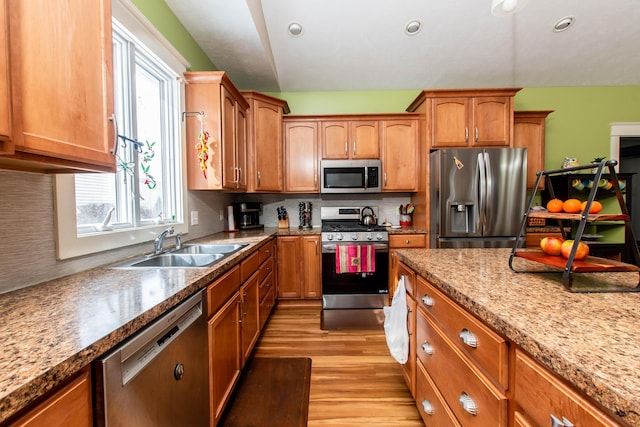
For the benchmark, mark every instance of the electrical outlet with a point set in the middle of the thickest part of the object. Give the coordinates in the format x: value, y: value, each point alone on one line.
x: 221, y: 213
x: 194, y: 217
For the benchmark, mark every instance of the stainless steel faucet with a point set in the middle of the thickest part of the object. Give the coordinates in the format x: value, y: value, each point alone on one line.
x: 157, y: 244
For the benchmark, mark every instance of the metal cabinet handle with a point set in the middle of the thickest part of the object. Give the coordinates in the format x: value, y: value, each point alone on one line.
x: 468, y: 404
x: 427, y: 300
x: 476, y: 134
x: 354, y: 148
x: 258, y: 178
x: 316, y: 242
x: 555, y: 422
x: 385, y: 178
x: 114, y: 119
x: 427, y: 348
x: 239, y: 174
x: 468, y: 338
x: 346, y: 147
x: 466, y: 134
x: 427, y: 407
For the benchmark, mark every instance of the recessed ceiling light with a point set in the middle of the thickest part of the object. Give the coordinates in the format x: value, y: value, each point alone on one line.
x: 413, y: 27
x: 563, y: 24
x: 295, y: 29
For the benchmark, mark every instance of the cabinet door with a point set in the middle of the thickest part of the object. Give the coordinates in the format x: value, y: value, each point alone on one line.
x: 364, y: 139
x: 69, y: 406
x: 529, y: 133
x: 301, y: 157
x: 61, y: 55
x: 224, y: 354
x: 229, y: 167
x: 311, y: 267
x: 250, y: 320
x: 289, y: 267
x: 267, y: 143
x: 492, y: 116
x: 400, y: 157
x: 6, y: 147
x: 450, y: 122
x: 241, y: 147
x: 335, y: 139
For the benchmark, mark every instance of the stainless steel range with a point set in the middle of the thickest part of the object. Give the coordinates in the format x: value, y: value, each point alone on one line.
x: 355, y: 268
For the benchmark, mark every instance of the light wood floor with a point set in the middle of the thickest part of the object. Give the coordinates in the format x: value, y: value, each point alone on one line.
x: 354, y: 380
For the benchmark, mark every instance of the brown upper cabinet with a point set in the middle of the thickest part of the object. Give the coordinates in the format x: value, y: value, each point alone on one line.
x: 301, y: 156
x: 350, y: 139
x: 60, y: 94
x: 266, y: 169
x: 529, y: 129
x: 466, y: 117
x: 400, y: 155
x: 225, y: 119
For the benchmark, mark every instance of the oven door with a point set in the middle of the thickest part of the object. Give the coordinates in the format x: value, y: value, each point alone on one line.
x: 354, y: 290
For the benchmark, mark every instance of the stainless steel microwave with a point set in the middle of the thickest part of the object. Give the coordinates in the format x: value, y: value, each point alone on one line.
x: 350, y: 176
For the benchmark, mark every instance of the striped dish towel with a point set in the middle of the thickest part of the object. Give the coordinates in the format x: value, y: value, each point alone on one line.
x: 355, y: 259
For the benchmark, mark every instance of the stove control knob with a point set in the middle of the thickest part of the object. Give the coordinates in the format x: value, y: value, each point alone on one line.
x: 354, y: 237
x: 339, y: 236
x: 369, y: 236
x: 379, y: 236
x: 329, y: 236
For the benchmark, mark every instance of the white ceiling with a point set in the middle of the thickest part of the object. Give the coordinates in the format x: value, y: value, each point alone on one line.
x: 362, y: 45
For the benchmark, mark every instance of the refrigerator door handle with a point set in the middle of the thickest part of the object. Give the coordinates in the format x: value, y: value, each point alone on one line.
x: 487, y: 211
x: 482, y: 191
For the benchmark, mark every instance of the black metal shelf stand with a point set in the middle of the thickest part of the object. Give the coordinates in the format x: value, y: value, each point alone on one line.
x: 591, y: 265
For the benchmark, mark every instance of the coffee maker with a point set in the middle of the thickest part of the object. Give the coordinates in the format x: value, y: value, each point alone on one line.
x: 247, y: 215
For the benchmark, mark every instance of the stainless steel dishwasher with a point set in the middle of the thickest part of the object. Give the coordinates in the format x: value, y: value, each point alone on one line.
x: 160, y: 376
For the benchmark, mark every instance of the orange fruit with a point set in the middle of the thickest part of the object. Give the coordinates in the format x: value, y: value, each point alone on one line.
x: 572, y: 206
x: 554, y: 205
x: 596, y: 207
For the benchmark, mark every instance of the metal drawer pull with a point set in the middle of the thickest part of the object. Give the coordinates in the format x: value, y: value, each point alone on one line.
x: 428, y: 348
x: 427, y: 407
x: 555, y: 422
x: 427, y: 300
x: 468, y: 338
x: 468, y: 404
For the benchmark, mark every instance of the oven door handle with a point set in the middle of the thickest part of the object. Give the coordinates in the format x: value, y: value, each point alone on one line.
x: 331, y: 248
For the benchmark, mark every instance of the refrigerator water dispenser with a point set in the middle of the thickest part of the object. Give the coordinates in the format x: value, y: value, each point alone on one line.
x: 461, y: 217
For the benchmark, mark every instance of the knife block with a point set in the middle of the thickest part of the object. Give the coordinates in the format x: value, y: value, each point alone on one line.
x: 283, y: 223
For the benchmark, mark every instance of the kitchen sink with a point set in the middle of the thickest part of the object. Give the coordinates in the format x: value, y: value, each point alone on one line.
x: 190, y: 256
x: 210, y: 248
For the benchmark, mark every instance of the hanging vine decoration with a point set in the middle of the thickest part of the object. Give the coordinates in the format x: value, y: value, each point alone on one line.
x: 147, y: 154
x: 201, y: 146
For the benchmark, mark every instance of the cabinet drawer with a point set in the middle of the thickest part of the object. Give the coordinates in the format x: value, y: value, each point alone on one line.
x: 457, y: 378
x: 265, y: 268
x: 221, y: 290
x: 541, y: 396
x: 267, y: 251
x: 266, y: 285
x: 433, y: 409
x: 491, y: 350
x: 249, y: 266
x: 266, y: 305
x: 407, y: 241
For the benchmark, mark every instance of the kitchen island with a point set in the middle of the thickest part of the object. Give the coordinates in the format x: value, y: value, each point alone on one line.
x: 590, y: 340
x: 54, y: 329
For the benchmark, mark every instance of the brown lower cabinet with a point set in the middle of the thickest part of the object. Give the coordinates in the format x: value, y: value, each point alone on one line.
x: 463, y: 373
x: 68, y: 405
x: 238, y: 304
x: 299, y: 267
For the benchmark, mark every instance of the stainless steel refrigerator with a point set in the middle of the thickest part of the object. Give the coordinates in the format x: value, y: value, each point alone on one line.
x: 477, y: 196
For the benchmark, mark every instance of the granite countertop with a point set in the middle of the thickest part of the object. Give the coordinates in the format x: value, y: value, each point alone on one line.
x: 589, y: 339
x: 53, y: 329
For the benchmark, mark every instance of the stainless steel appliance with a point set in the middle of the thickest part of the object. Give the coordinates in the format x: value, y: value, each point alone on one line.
x: 160, y: 376
x: 477, y: 196
x: 350, y: 176
x: 353, y: 300
x: 247, y: 215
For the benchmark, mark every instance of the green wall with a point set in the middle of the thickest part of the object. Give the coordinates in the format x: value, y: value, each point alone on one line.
x: 159, y: 14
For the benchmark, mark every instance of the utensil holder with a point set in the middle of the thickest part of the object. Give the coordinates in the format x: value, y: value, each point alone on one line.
x: 405, y: 220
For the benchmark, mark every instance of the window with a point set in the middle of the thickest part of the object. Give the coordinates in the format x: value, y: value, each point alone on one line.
x: 147, y: 192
